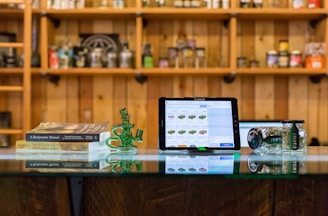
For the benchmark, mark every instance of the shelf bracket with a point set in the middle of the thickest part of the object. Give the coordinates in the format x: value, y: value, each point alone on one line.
x: 55, y: 22
x: 229, y: 78
x: 317, y: 78
x: 140, y: 78
x: 52, y: 78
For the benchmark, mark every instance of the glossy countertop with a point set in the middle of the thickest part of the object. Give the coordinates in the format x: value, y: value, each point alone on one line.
x: 244, y: 163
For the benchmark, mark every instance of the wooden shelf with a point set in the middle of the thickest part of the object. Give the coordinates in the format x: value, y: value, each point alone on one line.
x: 11, y: 88
x: 11, y: 131
x: 177, y: 71
x: 280, y: 13
x: 280, y: 71
x: 183, y: 13
x: 90, y: 13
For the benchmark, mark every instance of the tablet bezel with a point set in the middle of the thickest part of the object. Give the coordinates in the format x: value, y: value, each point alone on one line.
x: 162, y: 123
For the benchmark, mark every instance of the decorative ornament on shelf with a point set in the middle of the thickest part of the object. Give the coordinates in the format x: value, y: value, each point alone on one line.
x: 122, y: 133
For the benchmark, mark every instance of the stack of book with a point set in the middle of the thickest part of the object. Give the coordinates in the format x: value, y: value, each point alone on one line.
x: 56, y: 139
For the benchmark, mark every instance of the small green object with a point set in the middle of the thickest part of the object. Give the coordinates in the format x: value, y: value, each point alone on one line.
x: 122, y: 133
x: 202, y: 149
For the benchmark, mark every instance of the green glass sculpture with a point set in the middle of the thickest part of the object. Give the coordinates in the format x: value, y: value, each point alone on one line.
x: 122, y: 133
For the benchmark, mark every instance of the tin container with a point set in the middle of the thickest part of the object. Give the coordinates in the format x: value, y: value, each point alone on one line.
x: 173, y: 57
x: 272, y: 59
x: 295, y: 59
x: 315, y: 62
x: 313, y: 3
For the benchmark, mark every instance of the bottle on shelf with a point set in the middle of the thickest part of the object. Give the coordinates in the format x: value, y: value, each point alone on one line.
x: 126, y: 56
x: 147, y: 57
x: 118, y: 4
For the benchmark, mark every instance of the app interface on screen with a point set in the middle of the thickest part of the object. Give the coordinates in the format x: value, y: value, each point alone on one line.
x: 199, y: 124
x: 220, y: 164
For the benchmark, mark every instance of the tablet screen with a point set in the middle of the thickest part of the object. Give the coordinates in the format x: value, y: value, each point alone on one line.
x: 198, y: 123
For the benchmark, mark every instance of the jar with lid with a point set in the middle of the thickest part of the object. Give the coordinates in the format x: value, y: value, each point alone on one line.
x: 241, y: 62
x: 187, y: 54
x: 178, y: 3
x: 118, y: 3
x: 295, y: 59
x: 283, y: 59
x: 254, y: 64
x: 160, y: 3
x: 100, y: 3
x: 187, y: 3
x: 200, y: 60
x: 257, y: 3
x: 126, y: 56
x: 173, y: 57
x: 112, y: 59
x: 195, y: 3
x: 163, y: 62
x: 245, y: 3
x: 272, y: 59
x: 266, y: 140
x: 294, y: 136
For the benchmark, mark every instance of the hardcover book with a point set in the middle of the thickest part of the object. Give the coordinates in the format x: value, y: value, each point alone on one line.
x: 33, y: 146
x: 68, y: 132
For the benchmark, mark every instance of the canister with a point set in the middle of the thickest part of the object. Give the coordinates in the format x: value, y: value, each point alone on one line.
x: 298, y: 4
x: 272, y: 59
x: 257, y: 3
x: 295, y: 59
x: 245, y: 3
x: 313, y: 3
x: 241, y: 62
x: 283, y: 59
x: 254, y: 63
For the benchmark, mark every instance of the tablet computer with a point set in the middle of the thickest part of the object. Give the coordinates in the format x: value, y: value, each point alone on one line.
x: 198, y: 124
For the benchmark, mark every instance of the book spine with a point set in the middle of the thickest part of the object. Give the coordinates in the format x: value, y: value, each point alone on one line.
x: 62, y: 164
x: 37, y: 137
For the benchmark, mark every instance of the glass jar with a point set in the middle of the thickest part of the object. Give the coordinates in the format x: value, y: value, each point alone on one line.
x: 187, y: 54
x: 100, y: 3
x: 245, y: 3
x: 295, y: 59
x: 200, y: 60
x: 294, y: 136
x: 266, y: 140
x: 241, y: 62
x: 173, y: 57
x: 257, y: 3
x: 272, y: 59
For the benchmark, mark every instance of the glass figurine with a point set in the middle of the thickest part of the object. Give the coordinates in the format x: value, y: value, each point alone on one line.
x: 122, y: 133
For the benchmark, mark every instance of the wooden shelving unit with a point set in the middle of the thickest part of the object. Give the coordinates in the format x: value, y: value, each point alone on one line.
x: 142, y: 19
x: 25, y: 73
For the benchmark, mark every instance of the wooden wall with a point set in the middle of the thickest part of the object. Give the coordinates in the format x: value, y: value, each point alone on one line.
x: 90, y: 98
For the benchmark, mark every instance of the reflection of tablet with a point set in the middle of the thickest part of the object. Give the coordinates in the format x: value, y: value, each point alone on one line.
x: 201, y: 164
x: 198, y: 124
